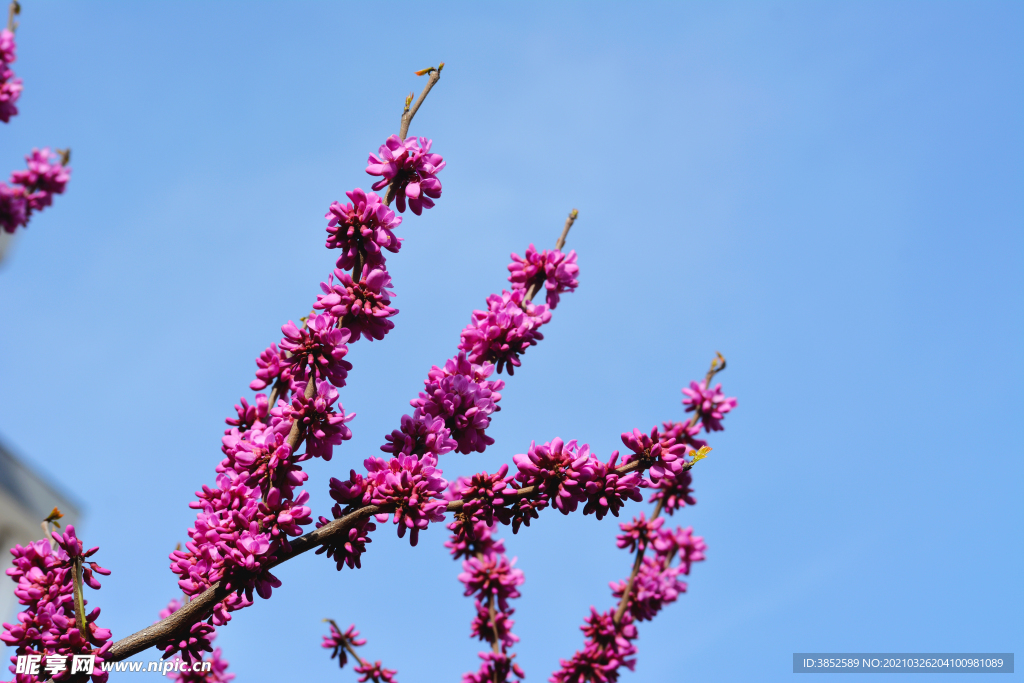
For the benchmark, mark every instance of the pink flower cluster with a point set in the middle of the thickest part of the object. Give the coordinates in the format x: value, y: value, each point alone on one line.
x: 565, y: 475
x: 411, y: 169
x: 32, y: 189
x: 554, y: 270
x: 503, y: 332
x: 45, y: 578
x: 10, y: 87
x: 362, y: 228
x: 460, y: 394
x: 492, y: 579
x: 342, y: 642
x: 609, y: 645
x: 411, y: 486
x: 710, y: 404
x: 218, y: 666
x: 657, y: 582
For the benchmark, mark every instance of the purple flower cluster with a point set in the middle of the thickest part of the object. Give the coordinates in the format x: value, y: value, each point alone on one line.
x: 10, y: 87
x: 341, y: 643
x: 411, y: 486
x: 462, y: 397
x: 361, y: 229
x: 503, y: 332
x: 566, y: 475
x: 212, y: 669
x: 553, y: 270
x: 361, y: 307
x: 491, y: 578
x: 45, y: 577
x: 245, y: 520
x: 608, y: 648
x: 711, y: 405
x: 411, y: 170
x: 657, y: 581
x: 32, y: 189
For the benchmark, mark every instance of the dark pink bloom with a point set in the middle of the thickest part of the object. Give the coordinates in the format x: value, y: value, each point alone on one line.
x: 45, y: 587
x: 272, y: 364
x: 608, y: 491
x: 413, y: 486
x: 638, y: 533
x: 559, y: 470
x: 324, y: 427
x: 361, y: 307
x: 348, y: 550
x: 492, y: 576
x: 655, y: 586
x: 711, y: 405
x: 319, y: 349
x: 504, y: 331
x: 44, y: 177
x: 411, y: 168
x: 679, y: 544
x: 13, y: 206
x: 495, y: 668
x: 462, y: 396
x: 7, y: 46
x: 675, y: 491
x: 608, y: 648
x: 420, y: 434
x: 555, y: 270
x: 337, y: 640
x: 362, y: 229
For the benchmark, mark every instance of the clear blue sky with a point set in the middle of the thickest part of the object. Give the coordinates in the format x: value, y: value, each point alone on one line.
x: 828, y: 193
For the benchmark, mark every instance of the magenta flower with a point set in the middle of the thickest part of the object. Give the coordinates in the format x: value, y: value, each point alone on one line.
x: 482, y: 496
x: 10, y: 91
x: 555, y: 270
x: 710, y: 405
x: 249, y: 415
x: 45, y: 587
x: 413, y: 486
x: 272, y: 364
x: 44, y: 177
x: 13, y: 204
x: 608, y: 491
x: 324, y: 427
x: 8, y: 47
x: 337, y: 642
x: 375, y: 672
x: 420, y: 434
x: 559, y: 470
x: 654, y: 587
x: 608, y: 648
x: 673, y: 433
x: 675, y: 491
x: 492, y: 576
x: 348, y: 550
x: 472, y: 538
x: 361, y: 229
x: 461, y: 395
x: 318, y: 348
x: 361, y: 307
x: 638, y: 533
x: 495, y: 668
x: 411, y: 169
x: 682, y: 544
x: 504, y: 331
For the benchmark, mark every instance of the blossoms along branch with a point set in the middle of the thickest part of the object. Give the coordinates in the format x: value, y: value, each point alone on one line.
x: 255, y: 515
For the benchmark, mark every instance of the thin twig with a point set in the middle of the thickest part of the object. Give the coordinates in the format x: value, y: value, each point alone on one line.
x: 14, y: 11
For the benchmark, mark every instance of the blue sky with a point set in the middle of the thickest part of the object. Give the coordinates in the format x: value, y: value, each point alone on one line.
x: 828, y: 193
